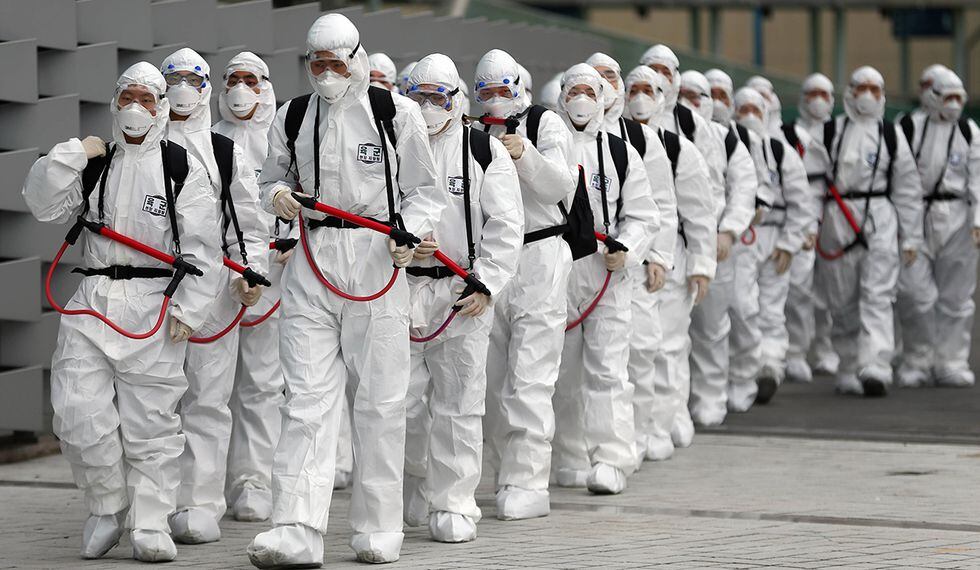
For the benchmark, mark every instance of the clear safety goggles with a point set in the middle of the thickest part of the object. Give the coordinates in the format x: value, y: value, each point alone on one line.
x: 136, y: 93
x: 506, y: 87
x: 610, y: 75
x: 439, y: 96
x: 318, y: 62
x: 193, y: 79
x: 250, y: 79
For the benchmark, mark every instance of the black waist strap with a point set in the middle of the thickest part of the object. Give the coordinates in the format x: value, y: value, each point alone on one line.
x: 538, y: 235
x: 860, y: 195
x: 126, y: 272
x: 431, y: 272
x: 943, y: 197
x: 332, y: 222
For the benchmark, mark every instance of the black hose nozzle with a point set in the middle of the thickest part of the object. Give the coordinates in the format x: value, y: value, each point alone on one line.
x: 477, y: 285
x: 180, y: 265
x: 614, y: 245
x: 307, y: 202
x: 284, y: 244
x: 404, y: 237
x: 253, y: 278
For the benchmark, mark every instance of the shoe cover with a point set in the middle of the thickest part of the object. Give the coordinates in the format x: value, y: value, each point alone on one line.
x: 875, y: 381
x: 849, y: 385
x: 153, y: 546
x: 767, y: 387
x: 955, y: 379
x: 253, y: 505
x: 606, y: 480
x: 341, y: 479
x: 741, y: 396
x: 288, y: 546
x: 659, y: 448
x: 571, y: 478
x: 194, y: 526
x: 797, y: 370
x: 682, y: 433
x: 514, y: 503
x: 909, y: 377
x: 710, y: 418
x: 416, y: 506
x: 827, y: 365
x: 377, y: 547
x: 451, y: 527
x: 100, y: 535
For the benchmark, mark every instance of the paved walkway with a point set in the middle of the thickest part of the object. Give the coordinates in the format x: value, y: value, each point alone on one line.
x: 729, y: 501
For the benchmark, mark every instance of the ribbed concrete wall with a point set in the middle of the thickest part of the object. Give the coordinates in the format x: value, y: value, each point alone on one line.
x: 60, y: 59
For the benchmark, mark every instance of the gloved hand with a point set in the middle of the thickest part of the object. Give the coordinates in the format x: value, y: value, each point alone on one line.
x: 286, y: 207
x: 725, y: 241
x: 514, y: 145
x: 615, y: 261
x: 94, y: 146
x: 976, y: 237
x: 782, y: 259
x: 179, y: 332
x: 400, y: 254
x: 427, y: 248
x: 757, y: 219
x: 809, y: 242
x: 909, y: 256
x: 656, y: 277
x: 698, y: 284
x: 249, y: 296
x: 282, y: 258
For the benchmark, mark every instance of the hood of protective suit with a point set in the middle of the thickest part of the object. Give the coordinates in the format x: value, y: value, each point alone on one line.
x: 266, y: 111
x: 186, y: 59
x: 147, y: 75
x: 497, y: 68
x: 927, y: 96
x: 746, y: 96
x: 816, y: 110
x: 582, y: 74
x: 718, y: 79
x: 551, y: 92
x: 697, y: 82
x: 337, y: 34
x: 438, y: 69
x: 527, y: 86
x: 615, y: 99
x: 765, y: 88
x: 653, y: 108
x: 402, y: 83
x: 665, y: 56
x: 869, y: 109
x: 944, y: 84
x: 382, y: 63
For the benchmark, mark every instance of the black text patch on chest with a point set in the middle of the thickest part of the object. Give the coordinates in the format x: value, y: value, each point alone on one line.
x: 455, y: 185
x: 155, y: 205
x: 596, y: 182
x: 368, y: 153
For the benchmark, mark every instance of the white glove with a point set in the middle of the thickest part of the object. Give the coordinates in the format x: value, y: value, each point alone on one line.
x: 94, y: 146
x: 179, y: 332
x: 285, y: 205
x: 249, y: 296
x: 401, y: 254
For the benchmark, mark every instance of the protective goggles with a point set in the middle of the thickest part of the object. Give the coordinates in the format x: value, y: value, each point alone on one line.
x: 249, y: 79
x: 440, y: 96
x: 609, y: 74
x: 486, y: 90
x: 136, y: 93
x: 317, y: 64
x: 192, y: 79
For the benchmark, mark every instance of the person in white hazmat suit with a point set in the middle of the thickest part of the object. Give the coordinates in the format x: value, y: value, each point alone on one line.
x: 115, y: 398
x: 593, y: 398
x: 680, y: 294
x: 403, y: 76
x: 927, y: 97
x: 384, y: 74
x: 529, y: 314
x: 210, y: 367
x: 527, y: 85
x: 935, y: 293
x: 330, y: 345
x: 649, y: 277
x: 807, y: 316
x: 655, y: 399
x: 883, y: 191
x: 444, y: 441
x: 710, y: 320
x: 760, y: 339
x: 551, y: 92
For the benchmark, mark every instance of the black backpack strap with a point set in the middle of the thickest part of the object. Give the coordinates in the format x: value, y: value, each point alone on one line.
x: 891, y: 143
x: 95, y: 173
x: 602, y: 181
x: 829, y: 132
x: 224, y: 156
x: 743, y: 135
x: 383, y: 109
x: 617, y: 148
x: 533, y: 122
x: 789, y: 131
x: 467, y: 214
x: 964, y: 124
x: 908, y: 127
x: 685, y: 121
x: 480, y: 148
x: 672, y: 144
x: 294, y: 120
x: 777, y: 154
x: 634, y: 134
x: 175, y: 170
x: 731, y: 143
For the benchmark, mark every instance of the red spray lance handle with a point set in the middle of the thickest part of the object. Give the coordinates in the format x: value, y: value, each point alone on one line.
x: 400, y: 236
x: 510, y: 123
x: 612, y: 244
x: 251, y: 277
x: 849, y: 216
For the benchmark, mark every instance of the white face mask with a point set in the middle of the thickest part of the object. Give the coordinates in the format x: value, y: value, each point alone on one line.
x: 581, y: 109
x: 183, y: 98
x: 498, y: 106
x: 866, y: 104
x: 720, y: 112
x: 642, y: 106
x: 952, y: 110
x: 380, y: 85
x: 752, y: 122
x: 134, y: 120
x: 241, y: 100
x: 820, y: 108
x: 435, y: 117
x: 331, y: 86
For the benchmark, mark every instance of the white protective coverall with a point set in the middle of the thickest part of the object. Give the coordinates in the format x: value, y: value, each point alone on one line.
x: 330, y: 345
x: 711, y: 321
x: 381, y: 63
x: 935, y: 294
x: 593, y: 399
x: 114, y: 398
x: 656, y: 400
x: 645, y: 336
x: 210, y: 368
x: 258, y: 392
x: 760, y: 341
x: 529, y: 314
x: 551, y: 92
x: 807, y: 316
x: 861, y: 283
x: 527, y: 85
x: 444, y: 441
x: 673, y: 365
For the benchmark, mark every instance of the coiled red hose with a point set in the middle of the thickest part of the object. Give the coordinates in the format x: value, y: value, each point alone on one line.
x: 752, y: 236
x: 592, y: 306
x: 224, y: 331
x: 438, y: 331
x: 263, y: 318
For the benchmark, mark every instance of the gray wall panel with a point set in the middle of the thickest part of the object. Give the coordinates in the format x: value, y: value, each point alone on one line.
x: 185, y: 21
x: 18, y: 67
x: 14, y: 166
x: 21, y: 300
x: 42, y: 125
x: 126, y: 22
x: 28, y: 408
x: 28, y: 344
x: 246, y: 21
x: 90, y: 71
x: 50, y: 22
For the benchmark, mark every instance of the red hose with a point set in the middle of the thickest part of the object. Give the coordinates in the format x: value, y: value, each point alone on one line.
x: 91, y: 313
x: 592, y: 306
x: 751, y: 233
x: 226, y: 330
x: 442, y: 327
x: 262, y: 319
x: 851, y: 221
x: 333, y: 289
